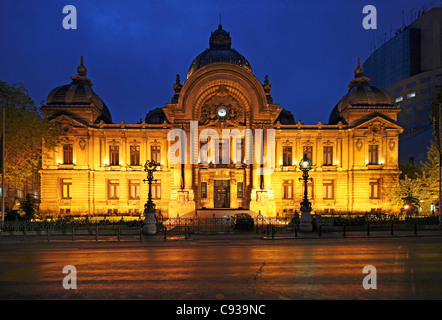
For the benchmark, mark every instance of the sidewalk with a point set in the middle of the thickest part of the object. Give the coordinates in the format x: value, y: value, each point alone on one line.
x: 337, y: 233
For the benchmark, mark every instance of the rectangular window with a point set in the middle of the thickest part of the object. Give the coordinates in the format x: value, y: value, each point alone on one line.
x: 223, y: 156
x: 19, y: 193
x: 328, y: 189
x: 66, y: 186
x: 374, y: 188
x: 398, y: 89
x: 240, y: 188
x: 134, y: 189
x: 398, y: 99
x: 411, y: 84
x: 113, y: 189
x: 156, y: 189
x: 114, y: 154
x: 310, y: 189
x: 328, y: 156
x: 155, y: 153
x: 426, y: 101
x: 411, y: 95
x: 425, y: 80
x: 68, y: 155
x: 287, y: 156
x: 134, y: 155
x: 204, y: 151
x: 204, y: 190
x: 287, y: 189
x: 240, y: 150
x: 373, y: 154
x: 308, y: 150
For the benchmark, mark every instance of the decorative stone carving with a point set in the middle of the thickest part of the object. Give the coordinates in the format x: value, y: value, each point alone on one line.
x: 222, y: 100
x: 359, y: 144
x: 391, y: 145
x: 82, y: 143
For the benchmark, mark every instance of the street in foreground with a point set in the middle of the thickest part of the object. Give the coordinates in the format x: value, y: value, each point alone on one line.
x: 223, y: 267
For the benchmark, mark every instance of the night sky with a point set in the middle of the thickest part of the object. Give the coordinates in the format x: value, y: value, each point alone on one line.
x: 134, y: 49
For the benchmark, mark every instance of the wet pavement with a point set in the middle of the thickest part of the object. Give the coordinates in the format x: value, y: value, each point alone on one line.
x: 218, y: 267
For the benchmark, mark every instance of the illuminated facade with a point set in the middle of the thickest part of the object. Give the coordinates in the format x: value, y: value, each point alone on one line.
x: 98, y: 168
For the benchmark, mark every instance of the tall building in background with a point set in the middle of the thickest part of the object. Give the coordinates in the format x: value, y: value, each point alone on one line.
x: 409, y: 68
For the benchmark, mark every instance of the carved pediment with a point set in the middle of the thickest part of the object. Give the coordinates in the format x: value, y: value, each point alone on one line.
x: 221, y: 109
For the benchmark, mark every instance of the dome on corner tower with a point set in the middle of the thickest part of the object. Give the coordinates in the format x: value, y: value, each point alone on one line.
x: 220, y: 51
x: 360, y: 95
x: 78, y: 94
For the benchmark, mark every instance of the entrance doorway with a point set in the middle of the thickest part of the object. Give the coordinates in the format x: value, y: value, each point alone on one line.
x: 222, y: 193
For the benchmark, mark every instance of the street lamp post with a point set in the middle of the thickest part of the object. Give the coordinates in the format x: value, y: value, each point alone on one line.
x: 306, y: 206
x: 150, y: 223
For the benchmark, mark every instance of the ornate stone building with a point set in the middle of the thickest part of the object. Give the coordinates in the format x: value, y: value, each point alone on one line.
x: 98, y: 168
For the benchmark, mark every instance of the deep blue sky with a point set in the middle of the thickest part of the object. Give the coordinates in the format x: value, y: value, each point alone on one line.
x: 134, y: 49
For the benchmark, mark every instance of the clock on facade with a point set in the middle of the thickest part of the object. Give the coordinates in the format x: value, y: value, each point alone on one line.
x: 222, y: 112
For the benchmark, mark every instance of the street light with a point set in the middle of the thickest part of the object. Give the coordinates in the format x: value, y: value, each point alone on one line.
x: 150, y: 223
x: 306, y: 206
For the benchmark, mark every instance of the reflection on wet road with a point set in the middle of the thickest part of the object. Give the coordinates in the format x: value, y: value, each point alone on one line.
x: 408, y: 268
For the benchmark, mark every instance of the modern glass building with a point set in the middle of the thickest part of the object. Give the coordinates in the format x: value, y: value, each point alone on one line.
x: 409, y: 68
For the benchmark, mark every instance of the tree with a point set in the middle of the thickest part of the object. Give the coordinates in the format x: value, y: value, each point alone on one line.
x: 29, y: 207
x: 24, y: 132
x: 410, y: 192
x: 430, y: 173
x: 409, y: 169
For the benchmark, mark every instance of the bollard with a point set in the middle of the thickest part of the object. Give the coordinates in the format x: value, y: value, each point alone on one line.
x: 273, y: 232
x: 165, y: 233
x: 119, y: 233
x: 344, y: 231
x: 296, y: 231
x: 47, y: 232
x: 368, y: 230
x: 141, y: 234
x: 185, y: 233
x: 24, y: 233
x: 391, y: 229
x: 96, y: 233
x: 415, y: 228
x: 320, y: 231
x: 268, y: 229
x: 73, y: 234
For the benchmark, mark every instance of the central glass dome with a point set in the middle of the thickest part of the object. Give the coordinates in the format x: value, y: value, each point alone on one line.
x: 220, y: 51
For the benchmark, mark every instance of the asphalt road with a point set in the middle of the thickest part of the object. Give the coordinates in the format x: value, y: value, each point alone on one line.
x: 218, y: 267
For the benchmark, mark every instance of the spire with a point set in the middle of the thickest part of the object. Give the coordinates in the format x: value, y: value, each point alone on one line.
x: 359, y: 76
x: 359, y: 71
x: 81, y: 70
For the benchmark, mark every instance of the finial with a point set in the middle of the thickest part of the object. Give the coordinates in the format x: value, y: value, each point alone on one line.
x: 267, y: 86
x: 359, y: 79
x: 177, y: 86
x: 220, y: 26
x: 82, y: 71
x: 359, y: 71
